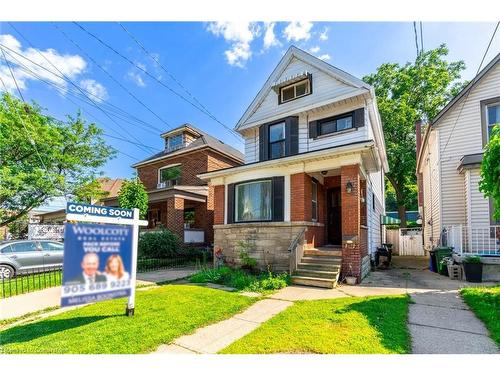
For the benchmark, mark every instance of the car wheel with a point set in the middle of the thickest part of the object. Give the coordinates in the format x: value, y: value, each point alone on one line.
x: 6, y: 272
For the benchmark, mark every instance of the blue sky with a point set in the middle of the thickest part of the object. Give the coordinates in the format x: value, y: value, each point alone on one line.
x: 222, y: 65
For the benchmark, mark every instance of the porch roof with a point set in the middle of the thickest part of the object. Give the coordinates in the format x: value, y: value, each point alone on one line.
x: 365, y: 148
x: 189, y: 192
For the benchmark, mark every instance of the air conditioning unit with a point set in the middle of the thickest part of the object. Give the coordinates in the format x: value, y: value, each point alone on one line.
x: 161, y: 185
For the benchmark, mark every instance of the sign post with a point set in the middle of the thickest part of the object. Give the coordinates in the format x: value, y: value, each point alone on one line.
x: 100, y: 259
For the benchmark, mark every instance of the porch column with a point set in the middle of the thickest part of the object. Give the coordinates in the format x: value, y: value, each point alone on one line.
x: 175, y: 216
x: 351, y: 216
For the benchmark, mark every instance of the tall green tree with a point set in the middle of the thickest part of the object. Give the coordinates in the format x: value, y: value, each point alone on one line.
x: 133, y: 195
x: 41, y: 157
x: 416, y: 90
x: 490, y: 170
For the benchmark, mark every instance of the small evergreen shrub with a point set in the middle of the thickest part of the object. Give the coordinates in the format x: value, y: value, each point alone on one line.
x: 159, y: 244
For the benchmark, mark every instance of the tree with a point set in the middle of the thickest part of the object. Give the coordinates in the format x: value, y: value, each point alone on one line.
x: 405, y: 94
x: 133, y: 195
x: 41, y: 157
x: 90, y: 192
x: 490, y: 170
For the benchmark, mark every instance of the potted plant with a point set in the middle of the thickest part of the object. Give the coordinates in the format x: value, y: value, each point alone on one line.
x: 473, y: 269
x: 349, y: 279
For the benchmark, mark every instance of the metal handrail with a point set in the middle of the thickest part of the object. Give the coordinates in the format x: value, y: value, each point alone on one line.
x: 296, y: 250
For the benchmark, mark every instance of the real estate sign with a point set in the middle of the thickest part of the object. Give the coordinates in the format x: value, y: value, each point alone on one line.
x: 100, y: 259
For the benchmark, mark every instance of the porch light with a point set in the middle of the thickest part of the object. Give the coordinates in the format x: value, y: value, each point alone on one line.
x: 348, y: 187
x: 419, y: 220
x: 324, y: 173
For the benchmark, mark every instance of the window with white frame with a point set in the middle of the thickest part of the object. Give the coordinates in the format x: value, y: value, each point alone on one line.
x: 314, y: 201
x: 492, y: 117
x: 295, y: 90
x: 169, y: 176
x: 277, y: 140
x: 253, y: 201
x: 174, y: 142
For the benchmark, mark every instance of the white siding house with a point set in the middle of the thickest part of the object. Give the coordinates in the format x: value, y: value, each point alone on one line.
x: 450, y: 159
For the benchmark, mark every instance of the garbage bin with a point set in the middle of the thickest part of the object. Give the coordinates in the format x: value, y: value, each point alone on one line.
x: 441, y: 253
x: 432, y: 261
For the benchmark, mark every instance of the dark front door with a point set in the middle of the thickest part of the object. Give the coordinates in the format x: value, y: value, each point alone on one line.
x: 334, y: 213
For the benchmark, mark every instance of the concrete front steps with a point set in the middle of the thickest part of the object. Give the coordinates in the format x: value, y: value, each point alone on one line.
x: 318, y: 267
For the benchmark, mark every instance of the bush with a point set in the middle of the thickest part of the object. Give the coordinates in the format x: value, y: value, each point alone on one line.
x: 241, y: 280
x: 472, y: 259
x: 159, y: 244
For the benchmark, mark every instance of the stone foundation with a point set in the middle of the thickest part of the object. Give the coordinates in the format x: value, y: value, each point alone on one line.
x: 267, y: 242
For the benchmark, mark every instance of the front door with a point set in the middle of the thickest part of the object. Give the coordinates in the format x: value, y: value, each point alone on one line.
x: 334, y: 213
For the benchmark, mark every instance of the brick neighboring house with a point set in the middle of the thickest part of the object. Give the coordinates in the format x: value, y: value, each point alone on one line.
x: 184, y: 203
x: 310, y: 196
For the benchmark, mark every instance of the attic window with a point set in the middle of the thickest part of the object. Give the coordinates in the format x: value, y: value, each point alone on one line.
x: 295, y: 91
x: 174, y: 142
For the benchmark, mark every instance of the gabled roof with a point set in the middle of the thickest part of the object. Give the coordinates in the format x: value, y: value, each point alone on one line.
x: 283, y: 64
x: 454, y: 101
x: 466, y: 89
x: 112, y: 186
x: 204, y: 140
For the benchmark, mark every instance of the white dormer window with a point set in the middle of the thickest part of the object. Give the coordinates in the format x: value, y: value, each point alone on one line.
x: 295, y: 90
x: 175, y: 142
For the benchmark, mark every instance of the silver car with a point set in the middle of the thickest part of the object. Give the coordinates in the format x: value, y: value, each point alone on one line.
x: 29, y: 256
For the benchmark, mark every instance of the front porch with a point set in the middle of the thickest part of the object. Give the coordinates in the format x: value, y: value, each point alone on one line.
x: 182, y: 210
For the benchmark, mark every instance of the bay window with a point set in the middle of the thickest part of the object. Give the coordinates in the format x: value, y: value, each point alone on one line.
x: 253, y: 201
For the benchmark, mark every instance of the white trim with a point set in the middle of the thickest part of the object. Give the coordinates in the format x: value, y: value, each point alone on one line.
x: 294, y: 85
x: 165, y: 167
x: 236, y: 186
x: 494, y: 104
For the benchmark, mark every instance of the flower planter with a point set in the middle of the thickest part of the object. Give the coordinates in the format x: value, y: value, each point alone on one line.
x: 350, y: 280
x: 473, y: 272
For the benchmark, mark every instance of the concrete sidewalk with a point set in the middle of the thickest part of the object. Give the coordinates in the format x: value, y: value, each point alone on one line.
x: 17, y: 306
x: 441, y: 323
x: 213, y: 338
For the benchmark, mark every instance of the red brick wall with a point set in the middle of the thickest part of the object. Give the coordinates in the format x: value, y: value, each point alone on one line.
x: 331, y: 182
x: 351, y: 252
x: 219, y: 191
x: 192, y: 164
x: 301, y: 207
x: 175, y: 216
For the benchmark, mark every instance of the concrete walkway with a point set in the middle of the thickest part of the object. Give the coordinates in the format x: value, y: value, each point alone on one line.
x: 213, y: 338
x: 23, y: 304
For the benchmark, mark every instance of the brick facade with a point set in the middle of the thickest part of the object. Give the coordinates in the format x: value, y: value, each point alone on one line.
x: 219, y: 194
x: 171, y: 211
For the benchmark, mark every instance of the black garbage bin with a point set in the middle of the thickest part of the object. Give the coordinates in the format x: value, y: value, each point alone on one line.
x: 432, y: 261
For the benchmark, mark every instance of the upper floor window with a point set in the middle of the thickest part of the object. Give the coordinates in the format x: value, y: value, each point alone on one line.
x: 277, y: 140
x: 335, y: 124
x: 492, y: 117
x: 169, y: 176
x: 295, y: 90
x: 175, y: 142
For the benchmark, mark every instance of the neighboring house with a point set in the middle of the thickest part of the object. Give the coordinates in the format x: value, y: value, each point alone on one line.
x: 313, y: 175
x: 449, y: 162
x: 178, y: 199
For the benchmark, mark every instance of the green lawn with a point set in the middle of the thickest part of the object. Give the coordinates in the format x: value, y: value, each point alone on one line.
x: 161, y: 315
x: 485, y: 302
x: 340, y: 326
x: 29, y: 283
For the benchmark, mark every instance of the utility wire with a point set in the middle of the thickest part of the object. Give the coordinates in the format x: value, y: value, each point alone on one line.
x: 157, y: 61
x: 143, y: 147
x: 416, y: 38
x: 470, y: 88
x: 110, y: 76
x: 421, y: 38
x: 153, y: 77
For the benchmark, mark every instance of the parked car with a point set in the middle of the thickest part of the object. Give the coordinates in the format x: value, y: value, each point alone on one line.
x: 29, y: 255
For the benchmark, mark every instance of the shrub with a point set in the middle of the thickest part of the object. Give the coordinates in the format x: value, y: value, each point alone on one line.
x: 473, y: 259
x: 160, y: 243
x: 247, y: 262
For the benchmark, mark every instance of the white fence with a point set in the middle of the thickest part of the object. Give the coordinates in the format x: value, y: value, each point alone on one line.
x: 410, y: 242
x: 465, y: 239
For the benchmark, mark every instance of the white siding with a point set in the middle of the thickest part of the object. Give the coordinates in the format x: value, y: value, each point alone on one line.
x: 466, y: 139
x: 251, y: 146
x: 479, y: 214
x: 375, y: 190
x: 432, y: 193
x: 324, y: 87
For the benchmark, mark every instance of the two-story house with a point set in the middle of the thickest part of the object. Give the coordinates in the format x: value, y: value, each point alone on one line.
x: 178, y: 199
x: 454, y: 211
x: 310, y: 195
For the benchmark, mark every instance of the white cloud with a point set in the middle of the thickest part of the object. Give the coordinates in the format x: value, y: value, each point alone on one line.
x: 39, y: 65
x: 136, y: 76
x: 297, y: 31
x: 98, y: 91
x: 324, y: 34
x: 240, y: 35
x: 325, y: 56
x: 270, y: 39
x: 314, y: 49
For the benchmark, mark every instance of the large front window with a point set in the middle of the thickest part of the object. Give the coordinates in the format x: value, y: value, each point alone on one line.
x: 277, y: 140
x: 169, y: 176
x: 493, y: 117
x: 253, y: 201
